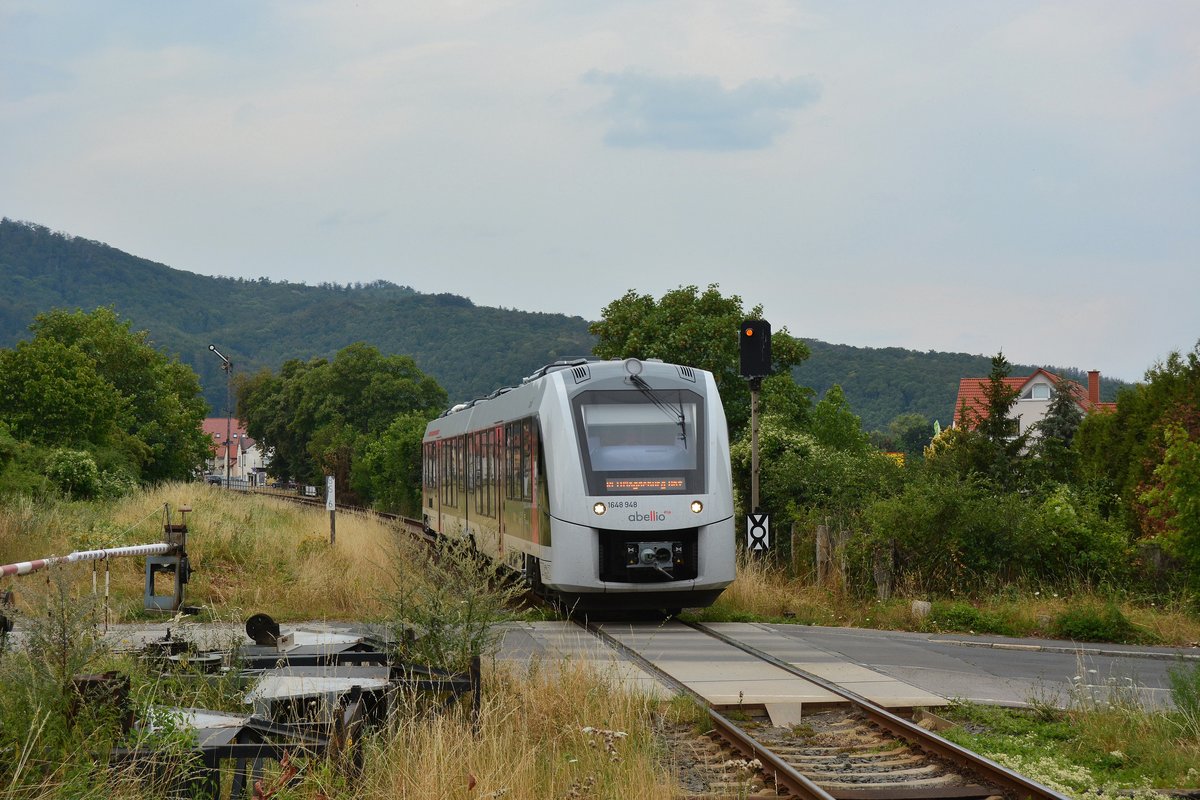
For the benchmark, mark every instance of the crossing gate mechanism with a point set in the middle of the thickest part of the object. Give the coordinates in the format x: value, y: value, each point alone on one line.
x: 173, y: 564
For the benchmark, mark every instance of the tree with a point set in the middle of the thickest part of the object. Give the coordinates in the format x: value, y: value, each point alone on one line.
x: 1176, y: 499
x: 1121, y: 451
x: 699, y: 329
x: 907, y: 433
x: 86, y: 379
x: 1053, y: 457
x: 835, y: 425
x: 994, y: 445
x: 52, y: 395
x: 323, y: 417
x: 389, y: 468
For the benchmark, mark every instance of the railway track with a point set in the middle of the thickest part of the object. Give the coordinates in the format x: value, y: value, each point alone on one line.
x: 860, y: 751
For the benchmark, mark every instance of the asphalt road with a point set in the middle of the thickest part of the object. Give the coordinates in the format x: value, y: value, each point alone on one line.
x: 1004, y: 670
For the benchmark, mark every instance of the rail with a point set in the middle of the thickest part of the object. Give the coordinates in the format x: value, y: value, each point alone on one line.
x: 927, y: 740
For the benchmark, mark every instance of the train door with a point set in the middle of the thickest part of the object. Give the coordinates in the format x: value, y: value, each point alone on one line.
x: 491, y: 439
x: 430, y: 505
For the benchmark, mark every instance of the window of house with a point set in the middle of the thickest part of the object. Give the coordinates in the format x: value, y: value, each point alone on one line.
x: 1040, y: 391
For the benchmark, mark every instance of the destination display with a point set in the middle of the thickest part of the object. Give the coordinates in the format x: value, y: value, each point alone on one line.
x: 635, y: 485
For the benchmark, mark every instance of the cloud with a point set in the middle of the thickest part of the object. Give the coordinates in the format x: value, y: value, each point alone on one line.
x: 694, y: 112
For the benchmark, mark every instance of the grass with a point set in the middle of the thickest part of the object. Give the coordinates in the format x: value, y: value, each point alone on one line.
x: 248, y: 554
x: 1095, y: 747
x: 562, y: 731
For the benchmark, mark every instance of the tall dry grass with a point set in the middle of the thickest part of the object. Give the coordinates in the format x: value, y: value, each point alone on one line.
x: 545, y: 731
x: 249, y: 554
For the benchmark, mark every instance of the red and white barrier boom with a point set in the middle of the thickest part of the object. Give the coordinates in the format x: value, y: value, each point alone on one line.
x: 26, y: 567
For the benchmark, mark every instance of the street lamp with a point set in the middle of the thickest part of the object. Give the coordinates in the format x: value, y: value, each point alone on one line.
x: 226, y: 365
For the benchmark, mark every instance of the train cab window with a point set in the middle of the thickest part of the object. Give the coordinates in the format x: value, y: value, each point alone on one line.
x: 641, y: 441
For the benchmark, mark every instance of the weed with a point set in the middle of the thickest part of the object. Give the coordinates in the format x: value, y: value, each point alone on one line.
x: 1089, y: 622
x: 447, y: 617
x: 959, y: 616
x: 1185, y: 693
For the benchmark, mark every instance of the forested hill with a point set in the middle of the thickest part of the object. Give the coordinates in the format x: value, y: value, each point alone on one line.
x: 470, y: 350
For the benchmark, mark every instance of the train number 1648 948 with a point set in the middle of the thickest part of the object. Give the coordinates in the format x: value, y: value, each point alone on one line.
x: 622, y: 504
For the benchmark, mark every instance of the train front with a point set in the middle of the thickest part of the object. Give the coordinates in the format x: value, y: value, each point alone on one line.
x: 641, y: 501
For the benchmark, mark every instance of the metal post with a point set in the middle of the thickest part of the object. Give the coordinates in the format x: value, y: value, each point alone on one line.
x: 331, y: 507
x: 755, y: 385
x: 227, y: 365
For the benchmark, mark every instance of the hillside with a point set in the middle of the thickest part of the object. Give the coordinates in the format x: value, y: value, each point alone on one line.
x: 260, y: 323
x: 471, y: 350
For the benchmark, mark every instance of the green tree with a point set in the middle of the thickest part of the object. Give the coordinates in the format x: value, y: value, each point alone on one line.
x: 1176, y: 499
x: 992, y: 444
x: 700, y: 329
x: 1121, y: 451
x: 52, y: 395
x: 324, y: 417
x: 1053, y: 456
x: 835, y: 425
x: 389, y: 468
x: 87, y: 380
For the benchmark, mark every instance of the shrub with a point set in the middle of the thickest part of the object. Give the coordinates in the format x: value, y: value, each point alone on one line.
x: 966, y: 617
x: 453, y: 609
x: 1094, y: 623
x: 74, y: 472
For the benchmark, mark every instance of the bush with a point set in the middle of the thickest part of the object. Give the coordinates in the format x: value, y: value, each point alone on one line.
x: 966, y: 617
x: 449, y: 617
x: 1093, y: 623
x: 74, y: 472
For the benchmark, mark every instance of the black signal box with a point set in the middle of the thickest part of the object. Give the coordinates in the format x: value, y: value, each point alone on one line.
x: 754, y: 339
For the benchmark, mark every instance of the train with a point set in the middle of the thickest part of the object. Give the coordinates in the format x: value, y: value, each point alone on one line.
x: 607, y: 484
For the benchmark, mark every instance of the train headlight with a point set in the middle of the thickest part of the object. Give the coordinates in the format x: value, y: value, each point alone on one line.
x: 697, y: 506
x: 599, y: 508
x: 633, y: 367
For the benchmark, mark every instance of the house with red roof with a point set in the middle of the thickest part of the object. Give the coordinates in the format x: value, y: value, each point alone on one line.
x: 1033, y: 398
x: 229, y: 441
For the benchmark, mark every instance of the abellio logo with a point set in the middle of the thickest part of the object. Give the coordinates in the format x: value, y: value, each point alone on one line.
x: 649, y: 516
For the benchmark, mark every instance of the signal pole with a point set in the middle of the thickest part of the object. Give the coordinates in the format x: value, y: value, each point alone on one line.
x: 755, y: 386
x: 227, y: 365
x: 754, y: 345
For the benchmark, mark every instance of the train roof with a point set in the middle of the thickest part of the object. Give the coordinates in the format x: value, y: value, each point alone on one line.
x: 580, y: 366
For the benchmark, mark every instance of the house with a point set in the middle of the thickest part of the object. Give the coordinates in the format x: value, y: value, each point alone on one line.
x: 1033, y: 397
x: 245, y: 458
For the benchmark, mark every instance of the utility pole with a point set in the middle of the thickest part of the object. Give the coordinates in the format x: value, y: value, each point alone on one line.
x: 227, y: 365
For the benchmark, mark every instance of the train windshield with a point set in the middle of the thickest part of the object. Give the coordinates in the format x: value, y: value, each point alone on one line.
x: 646, y: 441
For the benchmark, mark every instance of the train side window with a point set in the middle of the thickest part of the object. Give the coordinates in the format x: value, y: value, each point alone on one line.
x: 449, y: 478
x: 429, y: 466
x: 460, y: 462
x: 518, y: 460
x: 483, y: 472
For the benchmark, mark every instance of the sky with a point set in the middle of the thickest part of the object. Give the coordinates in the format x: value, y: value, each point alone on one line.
x: 956, y: 176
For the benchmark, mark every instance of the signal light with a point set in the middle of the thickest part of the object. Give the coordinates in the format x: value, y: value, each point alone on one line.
x: 754, y: 343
